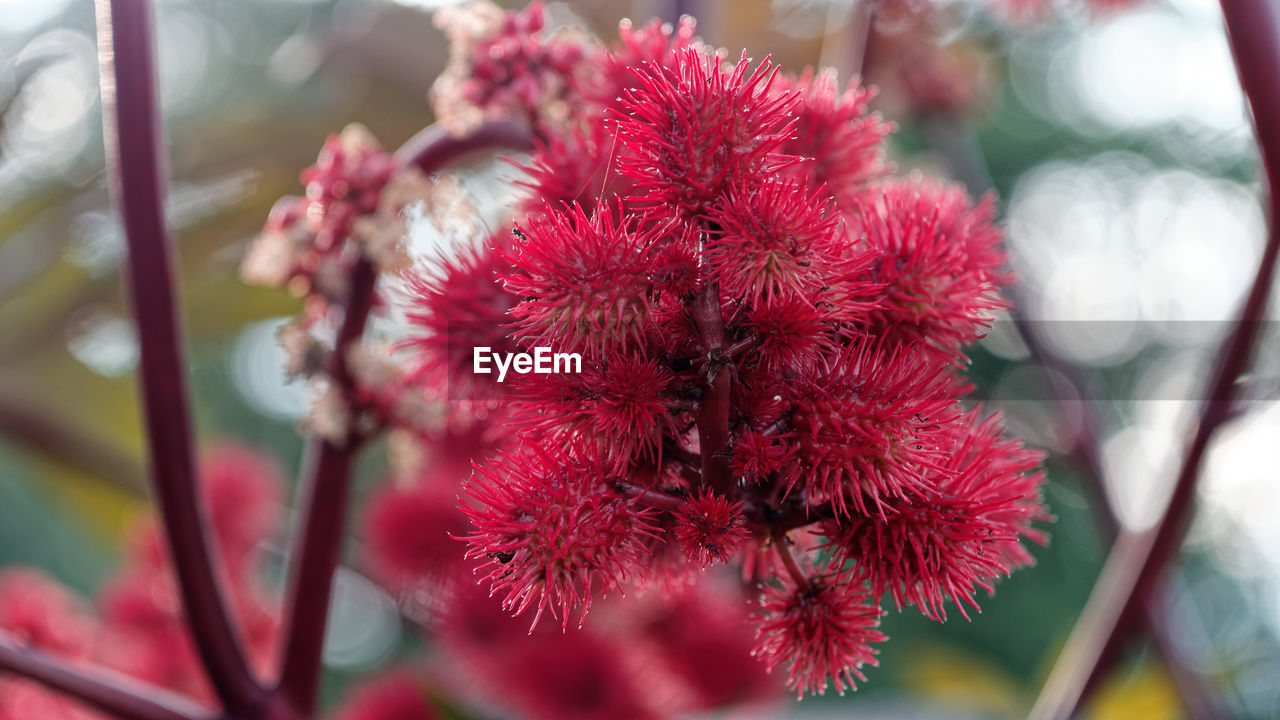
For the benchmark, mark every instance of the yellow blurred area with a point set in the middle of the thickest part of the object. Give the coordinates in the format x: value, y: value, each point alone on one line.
x: 1147, y: 693
x: 951, y: 676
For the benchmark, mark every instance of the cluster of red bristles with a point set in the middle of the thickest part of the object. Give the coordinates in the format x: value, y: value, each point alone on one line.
x: 773, y: 336
x: 772, y: 333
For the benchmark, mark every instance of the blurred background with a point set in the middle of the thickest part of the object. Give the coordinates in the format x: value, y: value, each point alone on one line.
x: 1114, y: 134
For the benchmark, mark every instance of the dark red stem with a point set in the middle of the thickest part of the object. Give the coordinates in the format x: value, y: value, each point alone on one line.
x: 101, y: 689
x: 318, y: 542
x: 653, y: 498
x: 713, y: 416
x: 781, y: 546
x: 434, y: 148
x: 955, y: 138
x: 1138, y: 558
x: 134, y: 138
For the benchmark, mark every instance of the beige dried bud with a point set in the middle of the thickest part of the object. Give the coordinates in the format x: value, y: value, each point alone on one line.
x: 466, y: 25
x: 454, y: 111
x: 381, y: 235
x: 372, y: 366
x: 304, y: 354
x: 331, y: 278
x: 357, y: 140
x: 329, y: 416
x: 406, y: 456
x: 271, y: 259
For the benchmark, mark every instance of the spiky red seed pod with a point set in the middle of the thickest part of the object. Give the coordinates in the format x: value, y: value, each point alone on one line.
x: 549, y: 528
x: 461, y: 307
x: 872, y: 425
x: 541, y: 675
x: 409, y: 534
x: 36, y: 610
x: 939, y: 258
x: 776, y: 237
x: 397, y: 695
x: 243, y: 491
x: 794, y: 333
x: 837, y: 130
x: 572, y: 168
x: 655, y: 42
x: 583, y: 282
x: 675, y: 267
x: 757, y: 456
x: 925, y: 551
x: 618, y: 402
x: 693, y: 644
x: 691, y: 130
x: 821, y: 630
x: 711, y: 528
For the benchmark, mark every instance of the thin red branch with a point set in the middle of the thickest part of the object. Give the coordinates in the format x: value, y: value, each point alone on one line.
x: 653, y: 498
x: 713, y: 417
x: 1067, y: 383
x: 955, y: 138
x: 844, y: 43
x: 327, y: 471
x: 101, y: 689
x: 782, y: 546
x: 134, y: 139
x: 318, y: 541
x: 434, y: 148
x: 1138, y: 559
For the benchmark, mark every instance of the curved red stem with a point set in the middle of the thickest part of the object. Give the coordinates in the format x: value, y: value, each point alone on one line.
x: 101, y: 689
x: 134, y: 140
x: 1136, y: 561
x: 318, y: 542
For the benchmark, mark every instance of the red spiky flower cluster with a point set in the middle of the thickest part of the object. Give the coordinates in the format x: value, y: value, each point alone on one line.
x: 772, y: 338
x: 763, y: 341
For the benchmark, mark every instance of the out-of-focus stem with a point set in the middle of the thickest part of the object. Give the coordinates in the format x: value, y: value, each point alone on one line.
x: 1136, y: 562
x: 327, y: 473
x: 713, y: 417
x: 434, y: 148
x: 653, y: 498
x: 52, y: 434
x: 134, y: 141
x: 956, y: 140
x: 103, y: 690
x: 783, y: 549
x: 844, y: 46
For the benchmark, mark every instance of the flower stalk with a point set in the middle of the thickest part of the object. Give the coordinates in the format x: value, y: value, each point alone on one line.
x: 1137, y: 560
x: 318, y: 541
x: 713, y: 419
x: 102, y: 690
x: 133, y: 133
